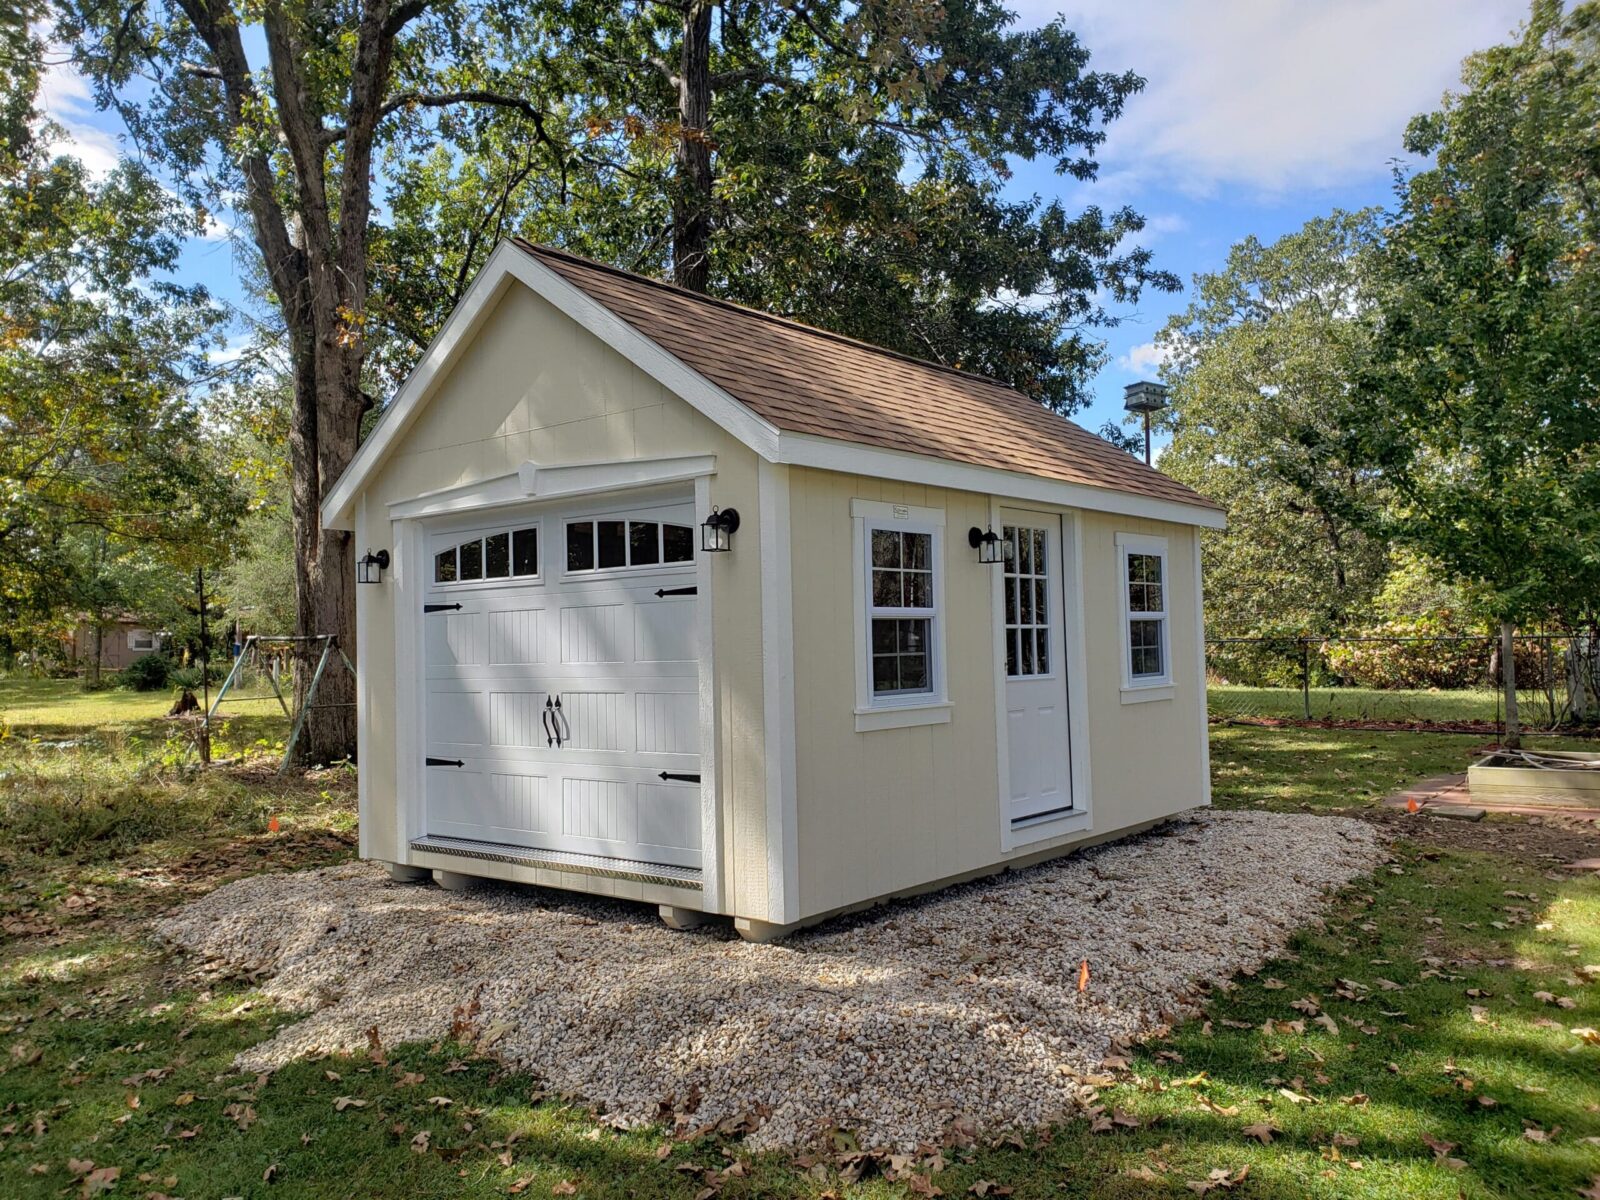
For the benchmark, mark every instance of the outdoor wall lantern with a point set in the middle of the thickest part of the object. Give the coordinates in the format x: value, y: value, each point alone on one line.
x: 370, y: 567
x: 987, y: 543
x: 716, y: 534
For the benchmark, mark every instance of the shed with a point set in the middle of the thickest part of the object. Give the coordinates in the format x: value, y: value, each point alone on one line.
x: 571, y: 675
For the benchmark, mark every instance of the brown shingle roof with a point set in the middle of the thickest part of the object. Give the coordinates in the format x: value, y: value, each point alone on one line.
x: 809, y: 381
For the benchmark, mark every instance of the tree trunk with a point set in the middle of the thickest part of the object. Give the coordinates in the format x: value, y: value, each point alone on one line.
x: 99, y: 639
x: 1508, y: 673
x: 691, y: 208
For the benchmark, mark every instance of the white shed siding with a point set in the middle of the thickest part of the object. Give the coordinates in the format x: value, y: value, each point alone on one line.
x: 894, y: 810
x: 533, y: 386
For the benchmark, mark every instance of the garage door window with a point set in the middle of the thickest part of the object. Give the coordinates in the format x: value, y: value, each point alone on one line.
x: 505, y: 554
x: 612, y: 545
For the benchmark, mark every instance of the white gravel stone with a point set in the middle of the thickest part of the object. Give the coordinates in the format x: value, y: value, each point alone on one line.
x: 890, y: 1023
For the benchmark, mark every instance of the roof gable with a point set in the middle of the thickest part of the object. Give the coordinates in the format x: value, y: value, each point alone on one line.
x: 762, y: 377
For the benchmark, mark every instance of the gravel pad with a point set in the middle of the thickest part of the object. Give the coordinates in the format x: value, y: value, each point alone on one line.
x: 963, y: 1004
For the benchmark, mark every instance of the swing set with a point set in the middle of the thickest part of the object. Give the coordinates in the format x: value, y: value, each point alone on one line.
x: 260, y: 665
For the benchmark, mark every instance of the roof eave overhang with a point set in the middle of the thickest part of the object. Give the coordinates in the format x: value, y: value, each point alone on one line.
x: 854, y: 458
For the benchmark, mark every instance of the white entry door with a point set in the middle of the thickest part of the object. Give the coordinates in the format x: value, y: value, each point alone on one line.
x: 562, y: 685
x: 1037, y: 743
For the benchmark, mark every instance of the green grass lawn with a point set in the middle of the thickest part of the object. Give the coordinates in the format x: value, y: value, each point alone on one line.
x: 1417, y: 1045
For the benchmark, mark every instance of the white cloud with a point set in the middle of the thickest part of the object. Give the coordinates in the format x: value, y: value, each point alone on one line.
x: 1274, y: 93
x: 65, y: 98
x: 1145, y: 359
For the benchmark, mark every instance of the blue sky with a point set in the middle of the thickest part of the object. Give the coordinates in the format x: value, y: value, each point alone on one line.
x: 1257, y: 116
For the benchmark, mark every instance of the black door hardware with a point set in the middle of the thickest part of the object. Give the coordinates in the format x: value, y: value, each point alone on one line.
x: 681, y: 778
x: 563, y: 730
x: 684, y: 591
x: 444, y: 762
x: 549, y: 735
x: 428, y: 608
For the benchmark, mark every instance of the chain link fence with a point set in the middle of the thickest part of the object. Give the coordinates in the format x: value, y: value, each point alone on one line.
x: 1398, y: 683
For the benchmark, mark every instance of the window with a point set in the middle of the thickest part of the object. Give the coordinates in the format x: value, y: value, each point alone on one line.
x: 141, y: 639
x: 612, y: 544
x: 506, y: 554
x: 1027, y: 588
x: 899, y: 635
x: 1143, y: 582
x: 902, y: 611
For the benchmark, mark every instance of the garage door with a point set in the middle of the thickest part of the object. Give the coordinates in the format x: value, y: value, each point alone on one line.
x: 562, y: 685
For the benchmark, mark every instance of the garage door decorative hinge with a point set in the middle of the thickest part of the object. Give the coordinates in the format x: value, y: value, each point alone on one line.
x: 444, y: 762
x: 684, y: 591
x: 428, y: 608
x: 680, y: 777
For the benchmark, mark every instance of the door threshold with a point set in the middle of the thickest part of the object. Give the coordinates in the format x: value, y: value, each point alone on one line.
x: 664, y: 874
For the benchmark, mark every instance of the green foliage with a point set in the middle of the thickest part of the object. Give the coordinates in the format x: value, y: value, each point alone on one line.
x: 1478, y: 401
x: 147, y: 673
x: 103, y: 459
x: 859, y: 154
x: 1259, y: 363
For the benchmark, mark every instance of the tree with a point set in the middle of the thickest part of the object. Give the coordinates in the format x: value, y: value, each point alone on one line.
x: 1260, y: 363
x: 1479, y: 404
x: 841, y: 164
x: 296, y: 143
x: 98, y: 364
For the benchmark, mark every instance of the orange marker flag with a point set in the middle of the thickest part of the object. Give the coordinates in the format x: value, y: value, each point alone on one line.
x: 272, y: 823
x: 1083, y: 976
x: 1411, y: 804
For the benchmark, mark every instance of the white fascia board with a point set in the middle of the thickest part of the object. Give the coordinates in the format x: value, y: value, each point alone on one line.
x: 506, y: 264
x: 853, y: 458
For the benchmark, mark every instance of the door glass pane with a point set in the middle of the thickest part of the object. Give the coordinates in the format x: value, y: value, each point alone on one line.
x: 497, y: 556
x: 444, y: 566
x: 613, y: 546
x: 580, y: 546
x: 471, y: 554
x: 1011, y: 652
x: 678, y: 543
x: 525, y: 552
x: 1027, y: 652
x: 644, y: 543
x: 1042, y: 658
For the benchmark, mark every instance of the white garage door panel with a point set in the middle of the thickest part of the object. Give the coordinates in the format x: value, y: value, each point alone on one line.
x: 620, y: 659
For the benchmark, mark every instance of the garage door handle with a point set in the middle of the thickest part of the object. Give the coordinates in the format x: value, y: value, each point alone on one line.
x: 549, y: 737
x: 444, y: 762
x: 428, y: 608
x: 563, y: 730
x: 684, y: 591
x: 681, y: 778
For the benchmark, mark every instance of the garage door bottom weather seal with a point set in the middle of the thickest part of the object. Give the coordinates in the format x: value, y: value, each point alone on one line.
x: 563, y: 860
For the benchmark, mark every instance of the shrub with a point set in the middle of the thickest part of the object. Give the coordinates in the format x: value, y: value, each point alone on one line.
x: 148, y: 674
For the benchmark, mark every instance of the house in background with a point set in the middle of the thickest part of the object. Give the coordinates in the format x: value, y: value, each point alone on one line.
x: 683, y: 603
x: 122, y: 641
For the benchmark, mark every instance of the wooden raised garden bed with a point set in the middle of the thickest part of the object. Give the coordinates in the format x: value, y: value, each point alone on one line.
x: 1560, y: 778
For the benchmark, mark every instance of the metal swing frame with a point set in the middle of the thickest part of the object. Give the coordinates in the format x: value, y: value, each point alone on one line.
x: 252, y: 644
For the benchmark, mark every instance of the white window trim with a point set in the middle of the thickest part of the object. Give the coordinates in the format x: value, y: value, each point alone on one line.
x: 921, y: 708
x: 1146, y: 687
x: 141, y: 639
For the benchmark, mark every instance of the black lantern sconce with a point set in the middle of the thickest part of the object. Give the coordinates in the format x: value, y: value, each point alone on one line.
x: 370, y: 567
x: 987, y: 543
x: 716, y: 534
